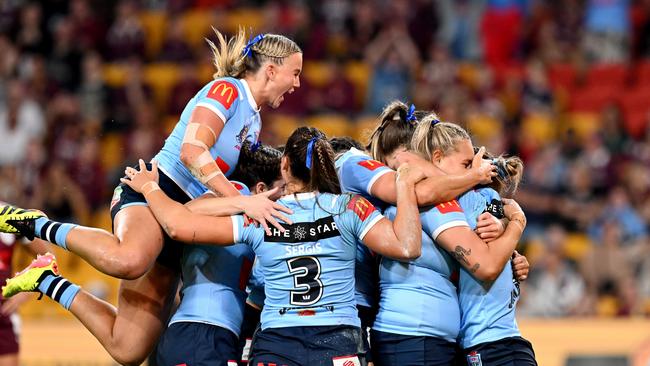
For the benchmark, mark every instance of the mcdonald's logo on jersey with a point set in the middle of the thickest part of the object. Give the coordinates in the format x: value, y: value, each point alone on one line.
x: 224, y: 93
x: 370, y: 164
x: 451, y: 206
x: 361, y: 206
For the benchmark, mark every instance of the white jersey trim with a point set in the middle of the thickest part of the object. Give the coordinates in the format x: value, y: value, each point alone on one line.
x: 235, y: 230
x: 370, y: 225
x: 375, y: 178
x: 249, y: 95
x: 448, y: 225
x: 214, y: 109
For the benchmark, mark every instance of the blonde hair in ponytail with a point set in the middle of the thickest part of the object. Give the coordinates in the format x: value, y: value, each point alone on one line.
x: 229, y: 59
x: 511, y: 170
x: 431, y: 135
x: 392, y: 131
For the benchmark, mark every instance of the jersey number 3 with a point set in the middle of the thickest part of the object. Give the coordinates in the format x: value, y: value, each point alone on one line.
x: 306, y: 280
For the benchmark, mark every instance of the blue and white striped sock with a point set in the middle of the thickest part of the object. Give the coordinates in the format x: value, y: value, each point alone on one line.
x: 59, y: 289
x: 52, y: 231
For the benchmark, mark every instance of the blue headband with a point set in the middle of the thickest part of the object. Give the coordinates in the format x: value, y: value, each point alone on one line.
x: 247, y: 49
x: 410, y: 116
x: 310, y: 150
x: 500, y: 169
x: 256, y: 146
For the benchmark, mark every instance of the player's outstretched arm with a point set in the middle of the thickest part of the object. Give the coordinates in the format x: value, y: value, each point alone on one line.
x: 484, y: 261
x: 401, y: 238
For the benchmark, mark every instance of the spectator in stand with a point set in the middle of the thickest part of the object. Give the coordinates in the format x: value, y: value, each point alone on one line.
x: 64, y: 60
x: 87, y: 171
x: 184, y: 89
x: 394, y: 60
x: 30, y: 36
x: 126, y: 99
x: 21, y: 121
x: 607, y: 26
x: 554, y: 288
x: 459, y: 28
x: 88, y: 28
x: 437, y: 77
x: 125, y: 38
x: 618, y: 209
x: 175, y: 48
x: 61, y: 196
x: 92, y: 93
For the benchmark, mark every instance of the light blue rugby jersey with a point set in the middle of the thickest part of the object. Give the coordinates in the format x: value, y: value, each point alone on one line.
x: 357, y: 173
x: 487, y: 313
x: 214, y: 283
x: 255, y: 288
x: 308, y: 271
x: 417, y: 298
x: 232, y: 101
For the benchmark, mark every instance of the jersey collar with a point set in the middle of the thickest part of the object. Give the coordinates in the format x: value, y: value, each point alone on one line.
x: 299, y: 196
x: 249, y: 95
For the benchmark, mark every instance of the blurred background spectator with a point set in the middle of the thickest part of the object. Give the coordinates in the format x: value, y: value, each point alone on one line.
x: 88, y: 86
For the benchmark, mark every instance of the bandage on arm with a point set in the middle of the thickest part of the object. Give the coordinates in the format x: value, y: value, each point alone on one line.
x: 200, y: 135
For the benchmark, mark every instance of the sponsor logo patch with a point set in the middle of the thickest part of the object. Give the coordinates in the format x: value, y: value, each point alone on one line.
x: 346, y: 361
x: 474, y: 359
x: 302, y: 232
x: 361, y: 206
x: 224, y: 93
x: 371, y: 164
x: 451, y: 206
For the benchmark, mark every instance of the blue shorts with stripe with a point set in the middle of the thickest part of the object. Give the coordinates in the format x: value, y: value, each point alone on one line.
x: 124, y: 196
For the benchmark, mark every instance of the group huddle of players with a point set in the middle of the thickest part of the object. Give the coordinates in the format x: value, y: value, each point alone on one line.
x: 318, y: 252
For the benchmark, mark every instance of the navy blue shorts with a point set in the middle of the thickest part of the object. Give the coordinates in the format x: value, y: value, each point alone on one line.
x: 367, y: 316
x: 125, y: 196
x: 390, y: 349
x: 249, y: 326
x: 514, y: 351
x: 196, y: 344
x: 315, y: 346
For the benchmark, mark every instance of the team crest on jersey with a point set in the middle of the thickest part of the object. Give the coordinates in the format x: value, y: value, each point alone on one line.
x: 116, y: 196
x: 361, y: 206
x: 223, y: 92
x: 451, y: 206
x: 243, y: 133
x: 371, y: 164
x: 474, y: 359
x: 346, y: 361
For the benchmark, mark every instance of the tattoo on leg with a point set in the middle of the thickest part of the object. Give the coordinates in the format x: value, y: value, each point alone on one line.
x: 460, y: 253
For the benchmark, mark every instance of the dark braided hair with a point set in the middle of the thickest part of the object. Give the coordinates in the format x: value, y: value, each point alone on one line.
x: 322, y: 175
x: 261, y: 165
x: 343, y: 144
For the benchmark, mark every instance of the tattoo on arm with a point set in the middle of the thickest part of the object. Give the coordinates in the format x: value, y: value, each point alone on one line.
x: 475, y: 268
x: 461, y: 253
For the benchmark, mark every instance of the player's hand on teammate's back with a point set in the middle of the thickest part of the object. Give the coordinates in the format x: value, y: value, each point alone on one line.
x: 483, y: 169
x: 265, y: 211
x: 137, y: 179
x: 520, y: 266
x: 489, y: 227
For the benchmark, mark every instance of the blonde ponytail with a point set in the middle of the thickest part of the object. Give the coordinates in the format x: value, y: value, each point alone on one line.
x: 229, y: 58
x: 431, y: 135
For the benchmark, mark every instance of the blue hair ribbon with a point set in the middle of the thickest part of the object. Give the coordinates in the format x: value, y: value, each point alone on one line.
x: 501, y: 171
x: 435, y: 121
x: 247, y: 49
x: 310, y: 150
x: 410, y: 116
x: 256, y: 146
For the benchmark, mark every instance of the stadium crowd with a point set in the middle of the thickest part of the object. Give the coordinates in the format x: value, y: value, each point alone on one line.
x: 88, y: 85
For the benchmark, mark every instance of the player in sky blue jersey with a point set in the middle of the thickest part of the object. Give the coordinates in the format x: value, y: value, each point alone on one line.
x: 207, y: 323
x: 309, y: 315
x: 489, y: 335
x: 410, y: 337
x: 202, y: 149
x: 371, y: 177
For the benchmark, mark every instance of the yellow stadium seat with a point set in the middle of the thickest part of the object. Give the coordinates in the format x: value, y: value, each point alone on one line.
x: 114, y: 75
x: 154, y: 24
x: 317, y: 73
x: 583, y: 124
x: 468, y: 74
x: 484, y: 127
x: 540, y: 128
x: 205, y: 72
x: 247, y: 18
x: 169, y: 122
x: 331, y: 124
x: 112, y: 151
x: 359, y: 74
x: 196, y: 26
x: 282, y: 126
x: 161, y: 77
x: 363, y: 128
x: 576, y: 246
x: 607, y: 306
